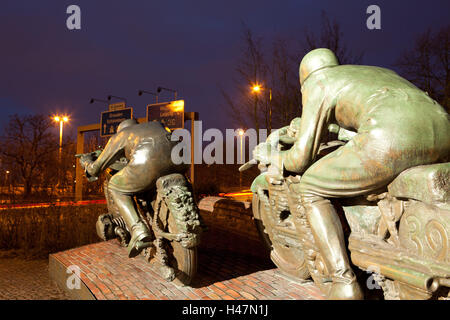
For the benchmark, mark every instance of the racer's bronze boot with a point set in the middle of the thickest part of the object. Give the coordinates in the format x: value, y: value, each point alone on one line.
x: 140, y: 239
x: 140, y: 235
x: 329, y: 237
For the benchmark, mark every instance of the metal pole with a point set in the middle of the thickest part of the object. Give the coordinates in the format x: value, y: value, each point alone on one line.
x: 79, y: 170
x: 240, y: 173
x: 60, y: 139
x: 192, y: 116
x: 270, y: 110
x: 159, y: 89
x: 241, y: 149
x: 192, y: 147
x: 6, y: 180
x: 58, y: 186
x: 256, y: 117
x: 140, y: 92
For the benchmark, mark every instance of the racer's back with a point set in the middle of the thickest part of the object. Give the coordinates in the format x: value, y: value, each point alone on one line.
x: 359, y: 90
x: 378, y: 100
x: 141, y: 134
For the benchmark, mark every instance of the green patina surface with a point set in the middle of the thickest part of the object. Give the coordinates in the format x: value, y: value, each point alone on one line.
x: 363, y: 219
x: 259, y: 182
x: 429, y: 183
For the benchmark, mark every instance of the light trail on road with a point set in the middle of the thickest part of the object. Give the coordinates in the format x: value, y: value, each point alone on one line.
x: 50, y: 204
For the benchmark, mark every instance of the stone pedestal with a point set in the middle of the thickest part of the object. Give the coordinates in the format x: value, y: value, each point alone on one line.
x: 106, y: 273
x: 232, y: 264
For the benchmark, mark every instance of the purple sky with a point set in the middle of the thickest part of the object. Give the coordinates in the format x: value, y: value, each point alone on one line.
x: 191, y: 46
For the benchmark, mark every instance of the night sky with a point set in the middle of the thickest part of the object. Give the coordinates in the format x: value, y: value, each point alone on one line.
x: 191, y: 46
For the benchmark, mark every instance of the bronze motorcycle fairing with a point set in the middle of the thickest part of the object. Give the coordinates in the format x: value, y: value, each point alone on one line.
x: 408, y: 243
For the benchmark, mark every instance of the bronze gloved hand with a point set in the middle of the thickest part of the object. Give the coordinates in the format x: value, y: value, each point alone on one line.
x: 85, y: 161
x: 262, y: 152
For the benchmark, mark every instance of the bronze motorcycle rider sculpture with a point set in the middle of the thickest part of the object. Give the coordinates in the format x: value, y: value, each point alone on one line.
x: 147, y: 147
x: 398, y: 127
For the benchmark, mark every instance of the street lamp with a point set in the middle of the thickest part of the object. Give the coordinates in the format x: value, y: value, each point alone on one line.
x: 140, y: 92
x: 241, y: 135
x: 119, y: 98
x: 6, y: 178
x: 167, y: 89
x: 256, y: 89
x: 99, y: 100
x: 61, y: 120
x: 270, y: 110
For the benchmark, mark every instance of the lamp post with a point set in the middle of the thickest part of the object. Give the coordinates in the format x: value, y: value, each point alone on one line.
x: 167, y: 89
x: 6, y: 179
x: 116, y: 97
x: 140, y: 92
x: 270, y: 110
x: 241, y: 135
x: 61, y: 120
x: 98, y: 100
x: 256, y: 89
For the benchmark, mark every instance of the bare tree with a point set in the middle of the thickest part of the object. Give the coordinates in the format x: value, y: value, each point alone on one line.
x: 27, y: 146
x: 427, y: 64
x: 251, y: 70
x: 331, y: 37
x: 275, y: 68
x: 279, y: 99
x: 286, y: 94
x: 59, y: 171
x: 94, y: 142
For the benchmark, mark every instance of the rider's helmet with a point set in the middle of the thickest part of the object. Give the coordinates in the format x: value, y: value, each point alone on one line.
x: 126, y: 123
x: 314, y: 60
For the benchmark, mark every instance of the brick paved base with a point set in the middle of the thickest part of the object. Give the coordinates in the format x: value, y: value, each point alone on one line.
x: 23, y: 279
x: 107, y: 273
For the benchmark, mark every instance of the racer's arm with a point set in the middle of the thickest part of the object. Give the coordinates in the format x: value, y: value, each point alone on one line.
x: 316, y: 113
x: 285, y: 134
x: 113, y: 151
x: 274, y: 137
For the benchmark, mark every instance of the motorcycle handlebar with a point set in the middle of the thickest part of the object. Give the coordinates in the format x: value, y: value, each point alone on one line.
x: 248, y: 165
x: 329, y: 145
x: 93, y: 154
